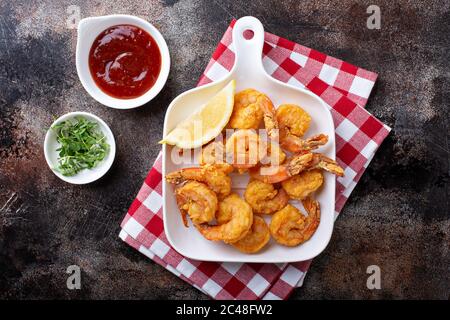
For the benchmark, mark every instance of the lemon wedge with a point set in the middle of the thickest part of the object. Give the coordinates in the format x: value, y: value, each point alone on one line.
x: 205, y: 124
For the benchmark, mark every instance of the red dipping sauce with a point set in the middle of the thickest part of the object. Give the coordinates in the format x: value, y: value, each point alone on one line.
x: 124, y: 61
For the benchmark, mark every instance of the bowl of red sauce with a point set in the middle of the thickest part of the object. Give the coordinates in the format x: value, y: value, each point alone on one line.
x: 122, y: 61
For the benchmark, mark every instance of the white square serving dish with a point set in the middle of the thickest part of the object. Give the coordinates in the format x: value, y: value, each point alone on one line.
x: 249, y: 73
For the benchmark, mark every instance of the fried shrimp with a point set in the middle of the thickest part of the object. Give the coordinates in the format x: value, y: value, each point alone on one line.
x: 283, y: 163
x: 303, y: 184
x: 275, y: 174
x: 295, y: 165
x: 250, y: 108
x: 214, y: 153
x: 244, y: 149
x: 257, y: 237
x: 293, y: 119
x: 290, y: 227
x: 198, y: 201
x: 264, y: 198
x: 235, y: 218
x: 294, y: 122
x: 213, y: 176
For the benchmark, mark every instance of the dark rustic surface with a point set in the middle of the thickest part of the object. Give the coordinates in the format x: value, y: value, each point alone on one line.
x: 397, y: 217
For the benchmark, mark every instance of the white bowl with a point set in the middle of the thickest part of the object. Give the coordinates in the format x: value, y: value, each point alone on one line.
x: 88, y: 30
x: 86, y: 175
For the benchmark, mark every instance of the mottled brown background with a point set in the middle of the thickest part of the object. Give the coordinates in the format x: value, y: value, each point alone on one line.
x: 397, y: 217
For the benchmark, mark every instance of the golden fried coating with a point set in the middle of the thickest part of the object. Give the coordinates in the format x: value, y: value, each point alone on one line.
x: 238, y: 216
x: 198, y: 201
x: 257, y: 237
x: 216, y: 177
x: 264, y: 198
x: 290, y: 227
x: 293, y: 118
x: 250, y: 108
x: 247, y: 114
x: 214, y: 154
x: 293, y: 122
x: 303, y: 184
x: 245, y: 149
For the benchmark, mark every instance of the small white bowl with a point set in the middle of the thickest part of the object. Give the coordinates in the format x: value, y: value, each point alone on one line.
x: 86, y: 175
x: 88, y: 30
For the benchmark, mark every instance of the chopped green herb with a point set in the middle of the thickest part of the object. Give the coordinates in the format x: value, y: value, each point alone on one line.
x: 83, y: 145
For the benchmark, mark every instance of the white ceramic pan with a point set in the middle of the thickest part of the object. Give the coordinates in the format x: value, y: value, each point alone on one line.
x: 248, y: 72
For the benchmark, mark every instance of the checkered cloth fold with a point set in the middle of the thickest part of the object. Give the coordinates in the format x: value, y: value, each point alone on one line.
x: 345, y: 89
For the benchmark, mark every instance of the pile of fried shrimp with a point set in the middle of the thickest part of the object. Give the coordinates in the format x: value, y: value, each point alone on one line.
x: 294, y: 172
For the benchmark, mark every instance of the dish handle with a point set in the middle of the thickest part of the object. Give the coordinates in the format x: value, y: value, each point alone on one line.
x: 248, y: 52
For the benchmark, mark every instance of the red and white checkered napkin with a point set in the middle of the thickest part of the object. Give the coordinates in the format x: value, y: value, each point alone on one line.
x: 345, y: 89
